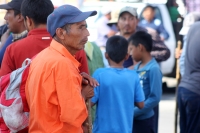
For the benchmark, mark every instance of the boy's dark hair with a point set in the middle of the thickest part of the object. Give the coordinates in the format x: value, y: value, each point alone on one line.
x: 150, y: 6
x: 143, y: 38
x: 38, y: 10
x: 117, y: 48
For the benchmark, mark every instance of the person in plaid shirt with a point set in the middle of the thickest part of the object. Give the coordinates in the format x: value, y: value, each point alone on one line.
x: 192, y: 5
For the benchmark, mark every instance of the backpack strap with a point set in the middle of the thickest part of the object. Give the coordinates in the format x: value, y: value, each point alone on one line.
x: 27, y: 61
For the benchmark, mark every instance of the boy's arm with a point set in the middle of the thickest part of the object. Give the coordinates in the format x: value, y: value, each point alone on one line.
x: 95, y: 98
x: 139, y: 94
x: 163, y: 32
x: 155, y: 92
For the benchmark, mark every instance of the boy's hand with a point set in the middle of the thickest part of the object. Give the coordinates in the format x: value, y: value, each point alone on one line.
x: 87, y: 79
x: 85, y: 128
x: 87, y: 91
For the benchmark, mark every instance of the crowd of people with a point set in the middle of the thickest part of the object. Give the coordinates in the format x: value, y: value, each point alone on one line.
x: 118, y: 74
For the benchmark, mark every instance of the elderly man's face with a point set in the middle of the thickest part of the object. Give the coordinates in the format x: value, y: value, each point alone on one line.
x: 77, y: 37
x: 127, y: 23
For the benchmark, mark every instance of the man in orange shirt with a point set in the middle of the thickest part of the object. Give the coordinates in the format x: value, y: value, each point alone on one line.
x: 53, y: 89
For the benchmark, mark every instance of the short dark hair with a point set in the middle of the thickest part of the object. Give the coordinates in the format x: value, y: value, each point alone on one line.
x: 143, y: 38
x: 117, y: 48
x: 16, y: 12
x: 38, y: 10
x: 150, y: 6
x: 67, y: 27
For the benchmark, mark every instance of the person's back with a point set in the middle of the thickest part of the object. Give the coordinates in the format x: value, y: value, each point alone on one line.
x: 116, y: 96
x: 38, y: 38
x: 140, y: 45
x: 28, y: 47
x: 192, y: 62
x: 189, y: 87
x: 118, y: 92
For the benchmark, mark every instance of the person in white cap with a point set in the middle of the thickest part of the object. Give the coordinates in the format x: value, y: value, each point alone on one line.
x: 103, y: 30
x: 189, y: 87
x: 190, y: 19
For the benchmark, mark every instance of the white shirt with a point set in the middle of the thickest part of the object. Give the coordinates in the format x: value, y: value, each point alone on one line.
x: 102, y: 30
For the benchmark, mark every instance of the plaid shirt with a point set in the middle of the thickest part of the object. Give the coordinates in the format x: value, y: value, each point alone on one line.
x: 19, y: 36
x: 192, y: 5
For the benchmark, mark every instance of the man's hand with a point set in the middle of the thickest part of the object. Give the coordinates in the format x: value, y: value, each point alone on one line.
x: 178, y: 53
x: 85, y: 127
x: 87, y: 91
x: 87, y: 79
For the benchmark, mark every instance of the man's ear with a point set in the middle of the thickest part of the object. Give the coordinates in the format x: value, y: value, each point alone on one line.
x: 141, y: 47
x: 29, y: 22
x: 106, y: 55
x: 59, y: 33
x: 20, y: 18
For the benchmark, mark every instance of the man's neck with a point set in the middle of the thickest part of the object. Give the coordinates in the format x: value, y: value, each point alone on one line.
x: 126, y: 35
x: 70, y: 50
x: 40, y: 26
x: 115, y: 65
x: 22, y: 28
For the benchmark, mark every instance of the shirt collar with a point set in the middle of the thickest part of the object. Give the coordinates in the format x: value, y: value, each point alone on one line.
x: 62, y: 50
x: 146, y: 67
x: 38, y: 31
x: 19, y: 36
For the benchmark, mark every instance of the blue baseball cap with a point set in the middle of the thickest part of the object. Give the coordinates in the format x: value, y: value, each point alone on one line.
x: 66, y: 14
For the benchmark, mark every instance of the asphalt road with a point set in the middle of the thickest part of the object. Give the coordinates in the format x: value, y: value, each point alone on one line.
x: 167, y: 112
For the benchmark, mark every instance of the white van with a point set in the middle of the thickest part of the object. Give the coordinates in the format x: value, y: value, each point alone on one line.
x: 161, y: 13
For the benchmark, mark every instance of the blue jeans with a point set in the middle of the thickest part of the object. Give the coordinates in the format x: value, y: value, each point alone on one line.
x: 156, y: 115
x: 189, y: 108
x: 144, y: 126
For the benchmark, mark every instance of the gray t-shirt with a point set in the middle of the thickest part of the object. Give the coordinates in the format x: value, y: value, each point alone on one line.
x: 191, y: 77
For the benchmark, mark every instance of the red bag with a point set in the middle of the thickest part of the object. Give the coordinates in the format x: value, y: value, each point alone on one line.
x: 14, y: 110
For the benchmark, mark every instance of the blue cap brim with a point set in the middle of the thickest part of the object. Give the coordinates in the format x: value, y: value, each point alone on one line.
x: 83, y: 16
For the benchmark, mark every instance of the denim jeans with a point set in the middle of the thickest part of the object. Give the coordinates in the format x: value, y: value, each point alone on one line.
x: 189, y: 108
x: 144, y: 126
x: 156, y: 116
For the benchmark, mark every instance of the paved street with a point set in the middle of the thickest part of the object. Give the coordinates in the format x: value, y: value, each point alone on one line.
x: 167, y: 112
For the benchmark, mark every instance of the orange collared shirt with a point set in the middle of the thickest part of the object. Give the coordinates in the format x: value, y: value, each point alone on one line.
x: 53, y: 91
